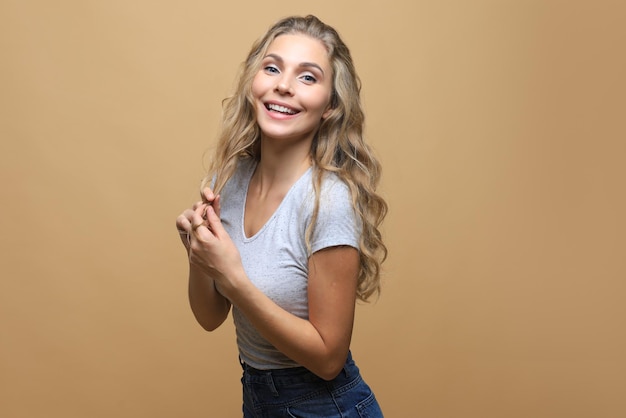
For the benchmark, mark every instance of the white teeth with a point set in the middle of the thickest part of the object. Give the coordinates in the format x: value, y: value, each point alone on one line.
x: 281, y: 109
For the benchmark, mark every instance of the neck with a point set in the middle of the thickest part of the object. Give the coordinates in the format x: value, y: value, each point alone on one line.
x: 281, y: 165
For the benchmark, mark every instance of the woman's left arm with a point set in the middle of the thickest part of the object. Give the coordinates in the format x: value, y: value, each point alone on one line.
x: 320, y: 343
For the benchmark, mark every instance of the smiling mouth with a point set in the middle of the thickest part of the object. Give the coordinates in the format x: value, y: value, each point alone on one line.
x: 280, y: 109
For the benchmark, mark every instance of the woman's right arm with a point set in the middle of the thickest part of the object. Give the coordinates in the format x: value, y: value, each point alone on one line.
x: 207, y: 304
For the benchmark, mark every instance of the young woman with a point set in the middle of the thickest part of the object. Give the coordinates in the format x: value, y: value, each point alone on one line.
x: 287, y: 231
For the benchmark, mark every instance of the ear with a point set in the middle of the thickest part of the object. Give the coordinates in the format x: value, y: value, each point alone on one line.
x: 331, y: 101
x: 327, y: 112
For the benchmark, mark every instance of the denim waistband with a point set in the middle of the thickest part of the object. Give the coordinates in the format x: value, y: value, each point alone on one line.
x: 294, y: 375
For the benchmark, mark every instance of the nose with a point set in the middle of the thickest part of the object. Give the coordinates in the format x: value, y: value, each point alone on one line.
x: 283, y: 86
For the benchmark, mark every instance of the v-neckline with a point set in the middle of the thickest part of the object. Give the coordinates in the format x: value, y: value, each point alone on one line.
x: 269, y: 220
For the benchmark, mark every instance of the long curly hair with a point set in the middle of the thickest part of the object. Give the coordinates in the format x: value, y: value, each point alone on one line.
x: 338, y: 146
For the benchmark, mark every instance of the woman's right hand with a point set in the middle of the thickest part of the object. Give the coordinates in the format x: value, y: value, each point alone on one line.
x: 184, y: 220
x: 210, y: 199
x: 208, y: 305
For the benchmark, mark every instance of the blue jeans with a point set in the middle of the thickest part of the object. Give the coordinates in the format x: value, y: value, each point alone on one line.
x: 296, y: 392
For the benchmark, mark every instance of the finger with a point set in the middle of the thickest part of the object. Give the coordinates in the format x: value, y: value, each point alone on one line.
x: 183, y: 224
x: 198, y: 204
x: 184, y: 227
x: 201, y: 210
x: 214, y: 223
x: 199, y: 226
x: 207, y: 195
x: 217, y: 205
x: 188, y: 212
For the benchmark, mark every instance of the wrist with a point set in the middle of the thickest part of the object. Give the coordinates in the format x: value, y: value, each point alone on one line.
x: 236, y: 287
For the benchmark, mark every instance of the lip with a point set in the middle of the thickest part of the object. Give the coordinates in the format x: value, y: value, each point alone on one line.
x: 278, y: 115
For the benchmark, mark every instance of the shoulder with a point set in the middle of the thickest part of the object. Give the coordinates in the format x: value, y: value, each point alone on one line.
x: 245, y: 167
x: 335, y: 194
x: 337, y: 222
x: 241, y: 175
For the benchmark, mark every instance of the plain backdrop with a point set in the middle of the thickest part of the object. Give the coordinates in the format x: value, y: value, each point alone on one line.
x: 500, y: 126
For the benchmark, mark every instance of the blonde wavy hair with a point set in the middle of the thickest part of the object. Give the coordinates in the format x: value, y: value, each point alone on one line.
x: 338, y: 146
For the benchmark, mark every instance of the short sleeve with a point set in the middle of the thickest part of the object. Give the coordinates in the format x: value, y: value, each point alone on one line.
x: 337, y: 223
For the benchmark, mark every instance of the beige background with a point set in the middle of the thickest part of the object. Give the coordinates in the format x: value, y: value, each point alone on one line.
x: 500, y: 125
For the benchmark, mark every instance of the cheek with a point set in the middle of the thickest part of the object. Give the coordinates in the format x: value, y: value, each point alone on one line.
x: 321, y: 103
x: 258, y: 85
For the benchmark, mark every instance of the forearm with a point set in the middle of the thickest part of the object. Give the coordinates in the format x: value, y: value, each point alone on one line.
x: 297, y: 338
x: 208, y: 306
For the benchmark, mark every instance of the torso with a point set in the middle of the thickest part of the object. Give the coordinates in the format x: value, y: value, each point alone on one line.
x: 271, y: 241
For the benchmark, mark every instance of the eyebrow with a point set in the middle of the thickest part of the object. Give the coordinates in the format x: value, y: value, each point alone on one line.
x: 302, y: 64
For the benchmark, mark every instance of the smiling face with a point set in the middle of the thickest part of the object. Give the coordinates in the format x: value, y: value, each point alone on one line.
x: 292, y: 88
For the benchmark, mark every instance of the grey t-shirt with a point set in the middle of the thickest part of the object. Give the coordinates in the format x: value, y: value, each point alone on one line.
x: 276, y: 257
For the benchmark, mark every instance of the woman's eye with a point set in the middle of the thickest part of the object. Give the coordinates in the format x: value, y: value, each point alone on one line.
x: 309, y: 78
x: 271, y: 69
